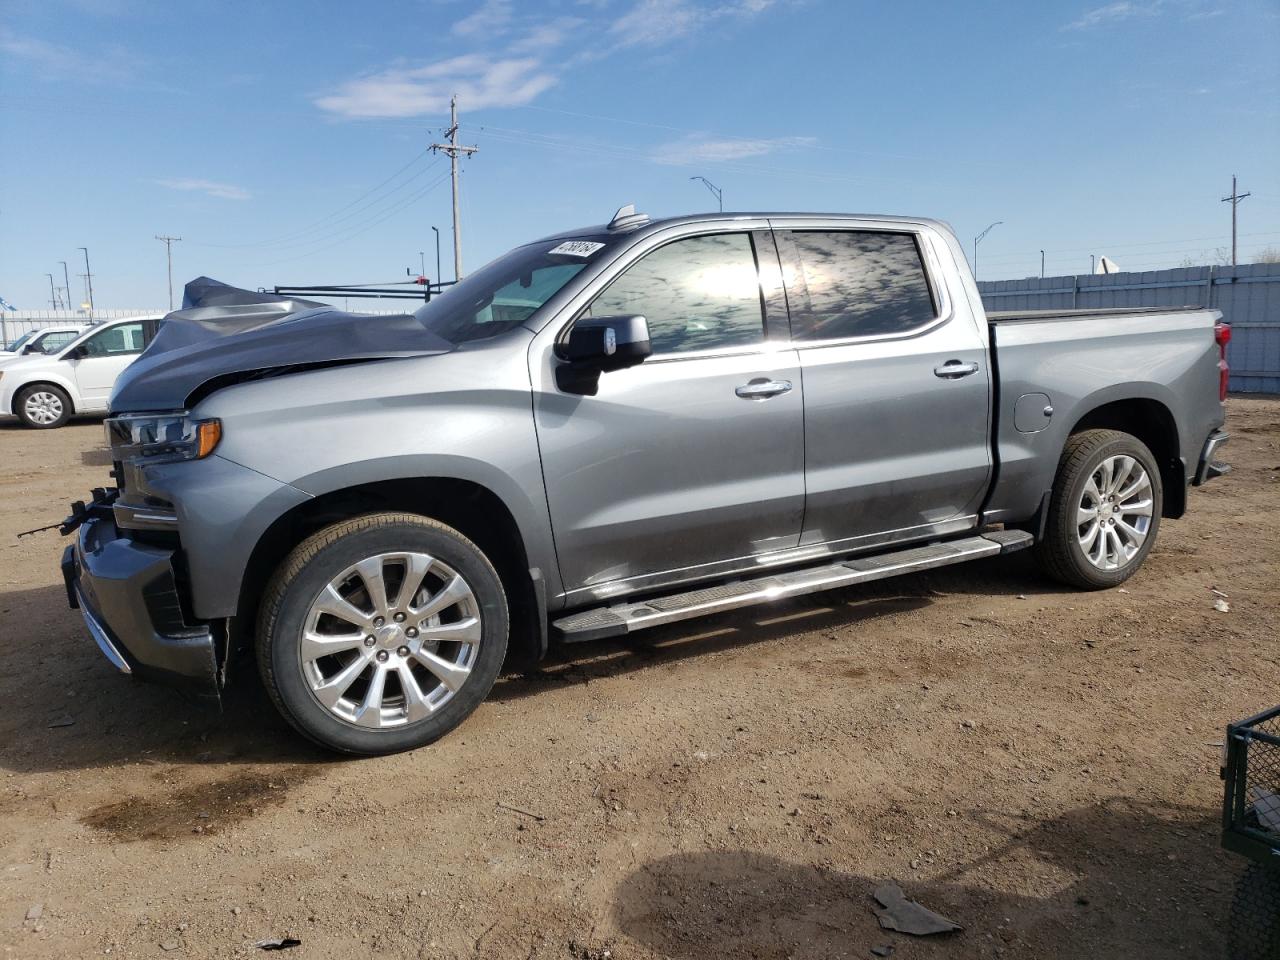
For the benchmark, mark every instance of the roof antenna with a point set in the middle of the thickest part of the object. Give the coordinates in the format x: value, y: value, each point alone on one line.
x: 627, y: 217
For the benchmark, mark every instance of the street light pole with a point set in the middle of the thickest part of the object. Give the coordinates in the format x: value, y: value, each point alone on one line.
x: 66, y: 283
x: 715, y: 191
x: 53, y: 294
x: 1041, y: 264
x: 88, y: 279
x: 422, y: 261
x: 976, y: 241
x: 436, y: 231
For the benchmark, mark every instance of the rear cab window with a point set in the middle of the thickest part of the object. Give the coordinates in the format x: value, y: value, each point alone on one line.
x: 856, y: 283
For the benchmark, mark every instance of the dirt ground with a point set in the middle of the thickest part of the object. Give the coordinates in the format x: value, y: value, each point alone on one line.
x: 1039, y: 765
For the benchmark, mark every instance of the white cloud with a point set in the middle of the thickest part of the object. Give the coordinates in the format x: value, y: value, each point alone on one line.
x: 651, y: 22
x: 1113, y: 13
x: 493, y: 17
x: 479, y: 81
x: 52, y: 58
x: 546, y: 36
x: 695, y: 149
x: 223, y: 191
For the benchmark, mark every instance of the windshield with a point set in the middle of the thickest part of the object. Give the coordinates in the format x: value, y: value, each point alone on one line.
x: 21, y: 342
x: 505, y: 293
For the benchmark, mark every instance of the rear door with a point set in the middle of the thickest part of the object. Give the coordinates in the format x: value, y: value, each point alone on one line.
x: 692, y: 463
x: 103, y: 357
x: 896, y: 385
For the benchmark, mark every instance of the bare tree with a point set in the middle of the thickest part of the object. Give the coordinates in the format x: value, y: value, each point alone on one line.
x: 1268, y: 255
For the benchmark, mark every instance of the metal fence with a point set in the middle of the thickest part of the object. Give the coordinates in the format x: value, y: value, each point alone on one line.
x: 13, y: 325
x: 1248, y: 296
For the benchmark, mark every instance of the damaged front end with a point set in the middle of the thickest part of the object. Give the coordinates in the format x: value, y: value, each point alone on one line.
x: 128, y: 571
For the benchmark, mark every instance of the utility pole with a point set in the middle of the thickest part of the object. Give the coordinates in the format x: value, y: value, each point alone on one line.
x: 88, y: 279
x: 976, y: 241
x: 715, y: 191
x: 453, y: 150
x: 1041, y: 264
x: 168, y: 254
x: 1234, y: 200
x: 53, y: 293
x: 66, y: 284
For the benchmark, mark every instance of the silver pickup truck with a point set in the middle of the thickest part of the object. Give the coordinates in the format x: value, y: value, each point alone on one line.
x: 608, y: 429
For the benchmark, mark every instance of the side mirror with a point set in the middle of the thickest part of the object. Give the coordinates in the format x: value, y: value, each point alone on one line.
x: 597, y: 345
x: 79, y: 353
x: 31, y: 348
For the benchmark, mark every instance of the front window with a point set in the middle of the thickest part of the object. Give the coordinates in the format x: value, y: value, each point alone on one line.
x: 700, y: 293
x: 51, y: 343
x: 502, y: 295
x: 21, y: 342
x: 121, y: 339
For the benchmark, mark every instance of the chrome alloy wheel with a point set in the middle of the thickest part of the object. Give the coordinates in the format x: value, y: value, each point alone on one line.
x: 1114, y: 513
x: 43, y: 407
x: 390, y: 640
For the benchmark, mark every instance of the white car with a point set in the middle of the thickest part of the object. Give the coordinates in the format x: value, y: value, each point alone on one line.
x: 45, y: 340
x: 43, y: 390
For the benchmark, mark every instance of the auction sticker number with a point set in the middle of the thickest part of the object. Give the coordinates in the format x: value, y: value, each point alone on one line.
x: 576, y: 248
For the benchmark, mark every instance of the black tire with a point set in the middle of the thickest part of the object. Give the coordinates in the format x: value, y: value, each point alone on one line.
x: 1253, y: 930
x: 60, y: 397
x: 308, y: 570
x: 1060, y: 553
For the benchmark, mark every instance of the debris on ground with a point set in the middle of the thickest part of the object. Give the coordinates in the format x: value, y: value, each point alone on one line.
x: 35, y: 911
x: 526, y: 813
x: 63, y: 721
x: 884, y: 950
x: 170, y: 945
x: 896, y: 912
x: 284, y: 943
x: 1221, y: 605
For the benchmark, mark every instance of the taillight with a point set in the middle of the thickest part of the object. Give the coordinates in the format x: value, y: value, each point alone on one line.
x: 1222, y: 336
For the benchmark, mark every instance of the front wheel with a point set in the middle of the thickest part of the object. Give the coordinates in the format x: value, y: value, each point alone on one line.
x: 43, y: 406
x: 382, y: 633
x: 1104, y: 510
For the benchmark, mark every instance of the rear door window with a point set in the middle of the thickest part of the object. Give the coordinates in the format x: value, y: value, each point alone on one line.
x: 857, y: 283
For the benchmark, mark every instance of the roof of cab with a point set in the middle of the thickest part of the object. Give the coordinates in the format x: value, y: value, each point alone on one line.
x: 638, y: 224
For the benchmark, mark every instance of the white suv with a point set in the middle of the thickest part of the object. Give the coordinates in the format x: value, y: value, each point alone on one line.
x: 43, y: 390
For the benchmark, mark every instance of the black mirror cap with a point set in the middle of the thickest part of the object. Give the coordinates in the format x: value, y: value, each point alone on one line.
x: 607, y: 343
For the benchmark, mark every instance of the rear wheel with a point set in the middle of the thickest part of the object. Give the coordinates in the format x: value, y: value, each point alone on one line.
x: 1104, y: 510
x: 382, y: 633
x: 43, y: 406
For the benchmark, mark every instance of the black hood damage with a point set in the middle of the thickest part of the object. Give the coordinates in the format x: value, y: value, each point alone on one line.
x: 224, y: 335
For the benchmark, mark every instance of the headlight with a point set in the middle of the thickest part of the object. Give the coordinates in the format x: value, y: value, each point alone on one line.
x: 162, y: 437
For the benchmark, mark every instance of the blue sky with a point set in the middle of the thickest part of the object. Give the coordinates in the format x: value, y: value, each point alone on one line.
x: 285, y: 143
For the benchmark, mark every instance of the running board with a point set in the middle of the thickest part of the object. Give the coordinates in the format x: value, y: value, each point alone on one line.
x: 624, y: 618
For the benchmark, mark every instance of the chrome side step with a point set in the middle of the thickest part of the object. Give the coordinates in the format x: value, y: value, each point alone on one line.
x: 624, y: 618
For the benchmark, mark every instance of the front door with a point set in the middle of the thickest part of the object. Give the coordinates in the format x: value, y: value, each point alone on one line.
x: 896, y: 388
x: 102, y: 357
x: 693, y: 461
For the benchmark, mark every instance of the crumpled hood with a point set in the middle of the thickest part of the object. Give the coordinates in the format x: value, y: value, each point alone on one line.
x: 224, y: 335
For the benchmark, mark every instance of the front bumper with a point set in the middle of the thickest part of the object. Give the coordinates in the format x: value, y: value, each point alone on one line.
x: 1208, y: 468
x: 128, y: 594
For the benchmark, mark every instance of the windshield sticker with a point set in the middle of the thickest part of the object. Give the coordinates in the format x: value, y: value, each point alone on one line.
x: 576, y: 248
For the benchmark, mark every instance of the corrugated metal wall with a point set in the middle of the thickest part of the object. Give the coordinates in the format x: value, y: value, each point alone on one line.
x: 15, y: 324
x: 1247, y: 295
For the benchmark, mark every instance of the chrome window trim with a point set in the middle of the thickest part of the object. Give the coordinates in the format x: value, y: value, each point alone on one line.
x: 926, y: 240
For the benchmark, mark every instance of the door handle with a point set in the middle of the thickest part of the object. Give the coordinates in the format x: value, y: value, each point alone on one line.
x: 954, y: 370
x: 763, y: 389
